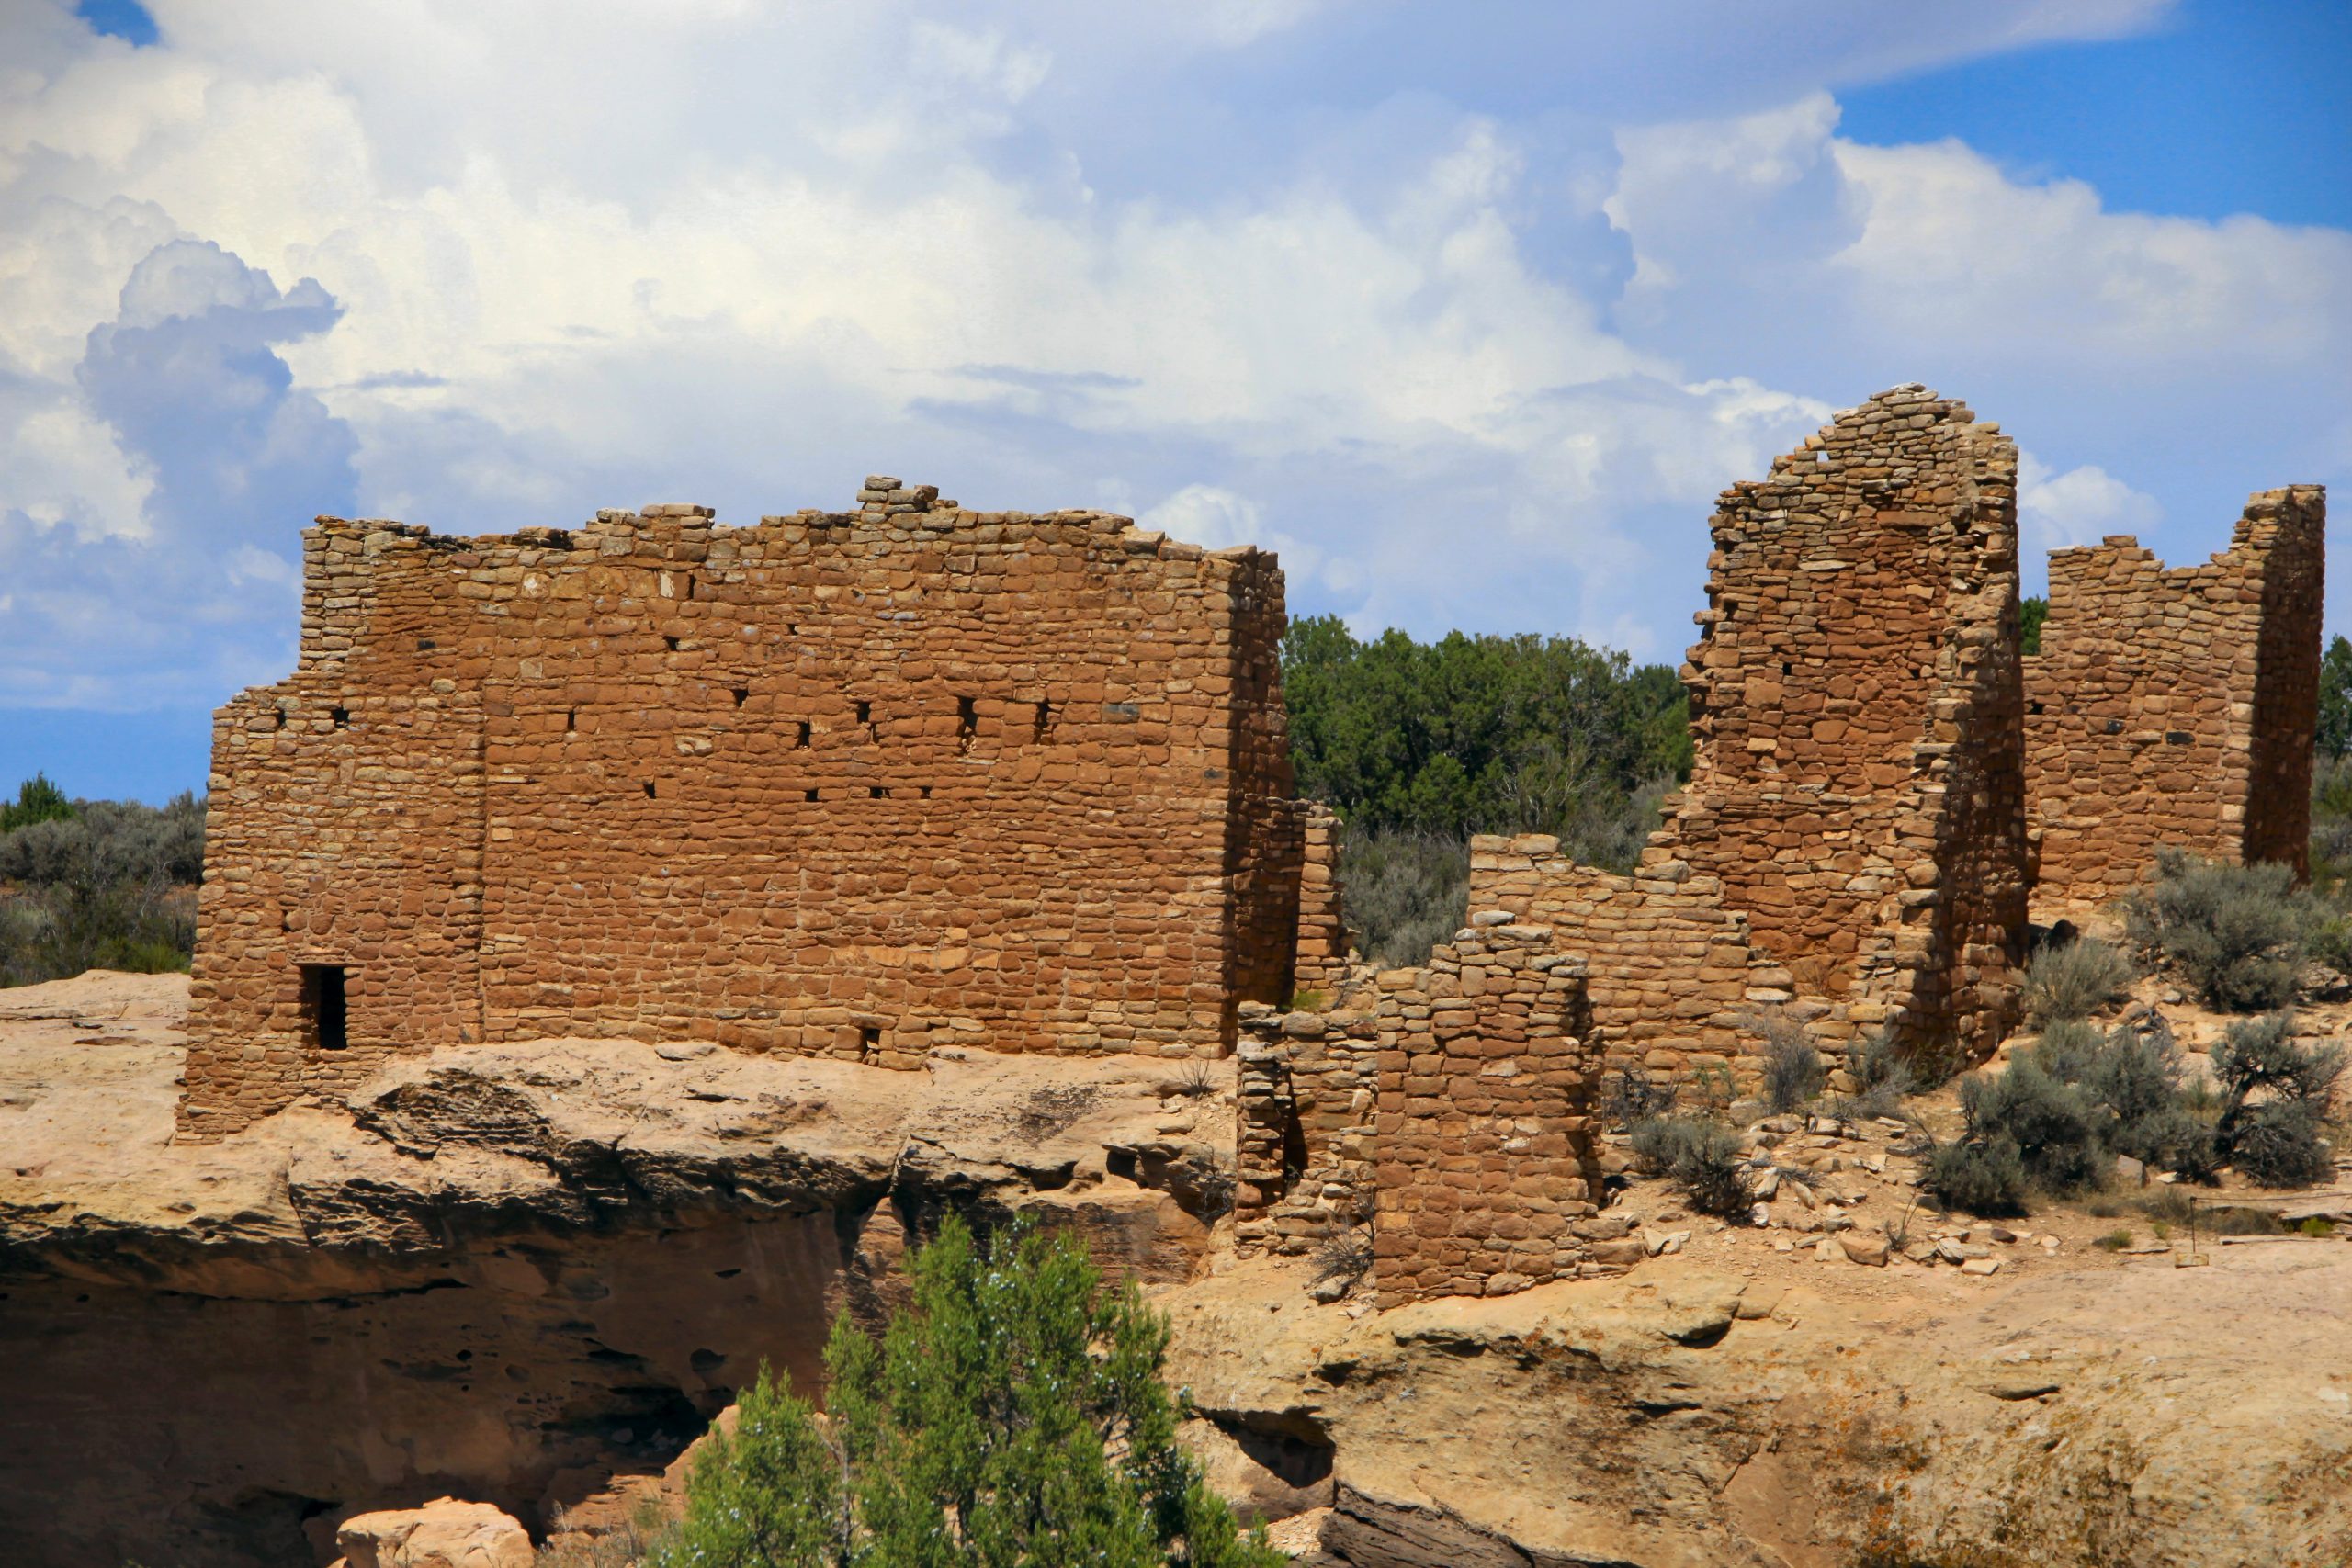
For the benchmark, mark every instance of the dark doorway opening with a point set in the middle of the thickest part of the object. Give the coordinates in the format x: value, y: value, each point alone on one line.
x: 323, y: 1013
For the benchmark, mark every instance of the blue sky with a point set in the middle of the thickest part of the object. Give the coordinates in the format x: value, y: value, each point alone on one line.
x: 1468, y: 310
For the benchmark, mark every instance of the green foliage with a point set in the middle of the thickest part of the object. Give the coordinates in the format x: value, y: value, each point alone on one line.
x: 1404, y: 890
x: 2275, y: 1140
x: 2032, y: 613
x: 1699, y: 1155
x: 2237, y: 933
x: 1793, y: 1071
x: 2081, y: 977
x: 1882, y: 1077
x: 771, y: 1496
x: 37, y: 800
x: 1484, y: 734
x: 1013, y: 1416
x: 2278, y: 1144
x: 108, y: 887
x: 1632, y: 1096
x: 1984, y: 1177
x: 2052, y: 1125
x: 2335, y: 698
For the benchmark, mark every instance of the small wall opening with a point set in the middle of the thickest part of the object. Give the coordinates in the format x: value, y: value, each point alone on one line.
x: 671, y: 643
x: 742, y: 695
x: 325, y: 1019
x: 570, y: 719
x: 810, y: 795
x: 425, y: 645
x: 1042, y: 725
x: 648, y: 786
x: 342, y: 717
x: 869, y: 1041
x: 802, y: 742
x: 876, y: 792
x: 968, y: 722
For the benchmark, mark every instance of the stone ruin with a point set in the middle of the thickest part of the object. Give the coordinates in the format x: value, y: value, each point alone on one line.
x: 864, y: 783
x: 2176, y: 708
x: 850, y: 783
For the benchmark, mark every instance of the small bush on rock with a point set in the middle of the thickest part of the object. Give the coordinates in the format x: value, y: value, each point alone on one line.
x: 1982, y: 1177
x: 1793, y: 1071
x: 2237, y: 933
x: 2277, y: 1144
x: 1882, y: 1078
x: 1699, y: 1155
x: 2074, y: 981
x: 2275, y: 1140
x: 1632, y: 1095
x: 2050, y: 1123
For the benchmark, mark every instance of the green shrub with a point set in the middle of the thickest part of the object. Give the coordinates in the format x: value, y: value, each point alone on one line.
x: 2051, y: 1125
x: 1987, y: 1176
x: 2278, y: 1144
x: 1630, y: 1095
x: 2074, y: 981
x: 1882, y: 1077
x: 1013, y: 1415
x: 1793, y: 1071
x: 1699, y: 1155
x: 2237, y: 933
x: 2275, y: 1141
x: 1403, y: 891
x: 2068, y: 1048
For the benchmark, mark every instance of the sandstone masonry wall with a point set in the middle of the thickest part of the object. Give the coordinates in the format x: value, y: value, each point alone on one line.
x: 847, y: 784
x: 1852, y: 840
x: 2176, y: 708
x: 1486, y: 1147
x: 1322, y: 962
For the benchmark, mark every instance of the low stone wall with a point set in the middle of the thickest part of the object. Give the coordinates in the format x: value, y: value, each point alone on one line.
x: 1486, y: 1158
x: 1305, y: 1149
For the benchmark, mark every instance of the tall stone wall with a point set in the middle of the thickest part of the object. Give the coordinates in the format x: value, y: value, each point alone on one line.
x: 1322, y: 962
x: 1484, y: 1149
x: 1852, y: 840
x: 2176, y: 708
x: 849, y: 783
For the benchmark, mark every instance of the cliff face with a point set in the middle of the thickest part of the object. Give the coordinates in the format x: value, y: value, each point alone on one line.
x: 1688, y: 1416
x: 500, y: 1273
x: 511, y: 1274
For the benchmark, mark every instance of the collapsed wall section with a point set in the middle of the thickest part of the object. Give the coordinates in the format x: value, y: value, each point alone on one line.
x: 1852, y: 840
x: 850, y: 783
x: 2176, y: 708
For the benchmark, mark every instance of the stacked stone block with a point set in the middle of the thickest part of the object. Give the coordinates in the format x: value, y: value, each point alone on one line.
x: 2176, y: 708
x: 1485, y: 1139
x: 850, y: 784
x: 1855, y: 819
x: 1308, y: 1086
x: 1321, y: 966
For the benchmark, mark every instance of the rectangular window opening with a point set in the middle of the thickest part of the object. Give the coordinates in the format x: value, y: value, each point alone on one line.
x: 968, y: 722
x: 812, y: 794
x: 869, y: 1041
x: 325, y: 1022
x: 926, y: 791
x: 802, y: 743
x: 671, y: 643
x: 342, y: 717
x: 742, y: 695
x: 648, y: 786
x: 425, y: 645
x: 876, y: 792
x: 571, y: 718
x: 1043, y: 725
